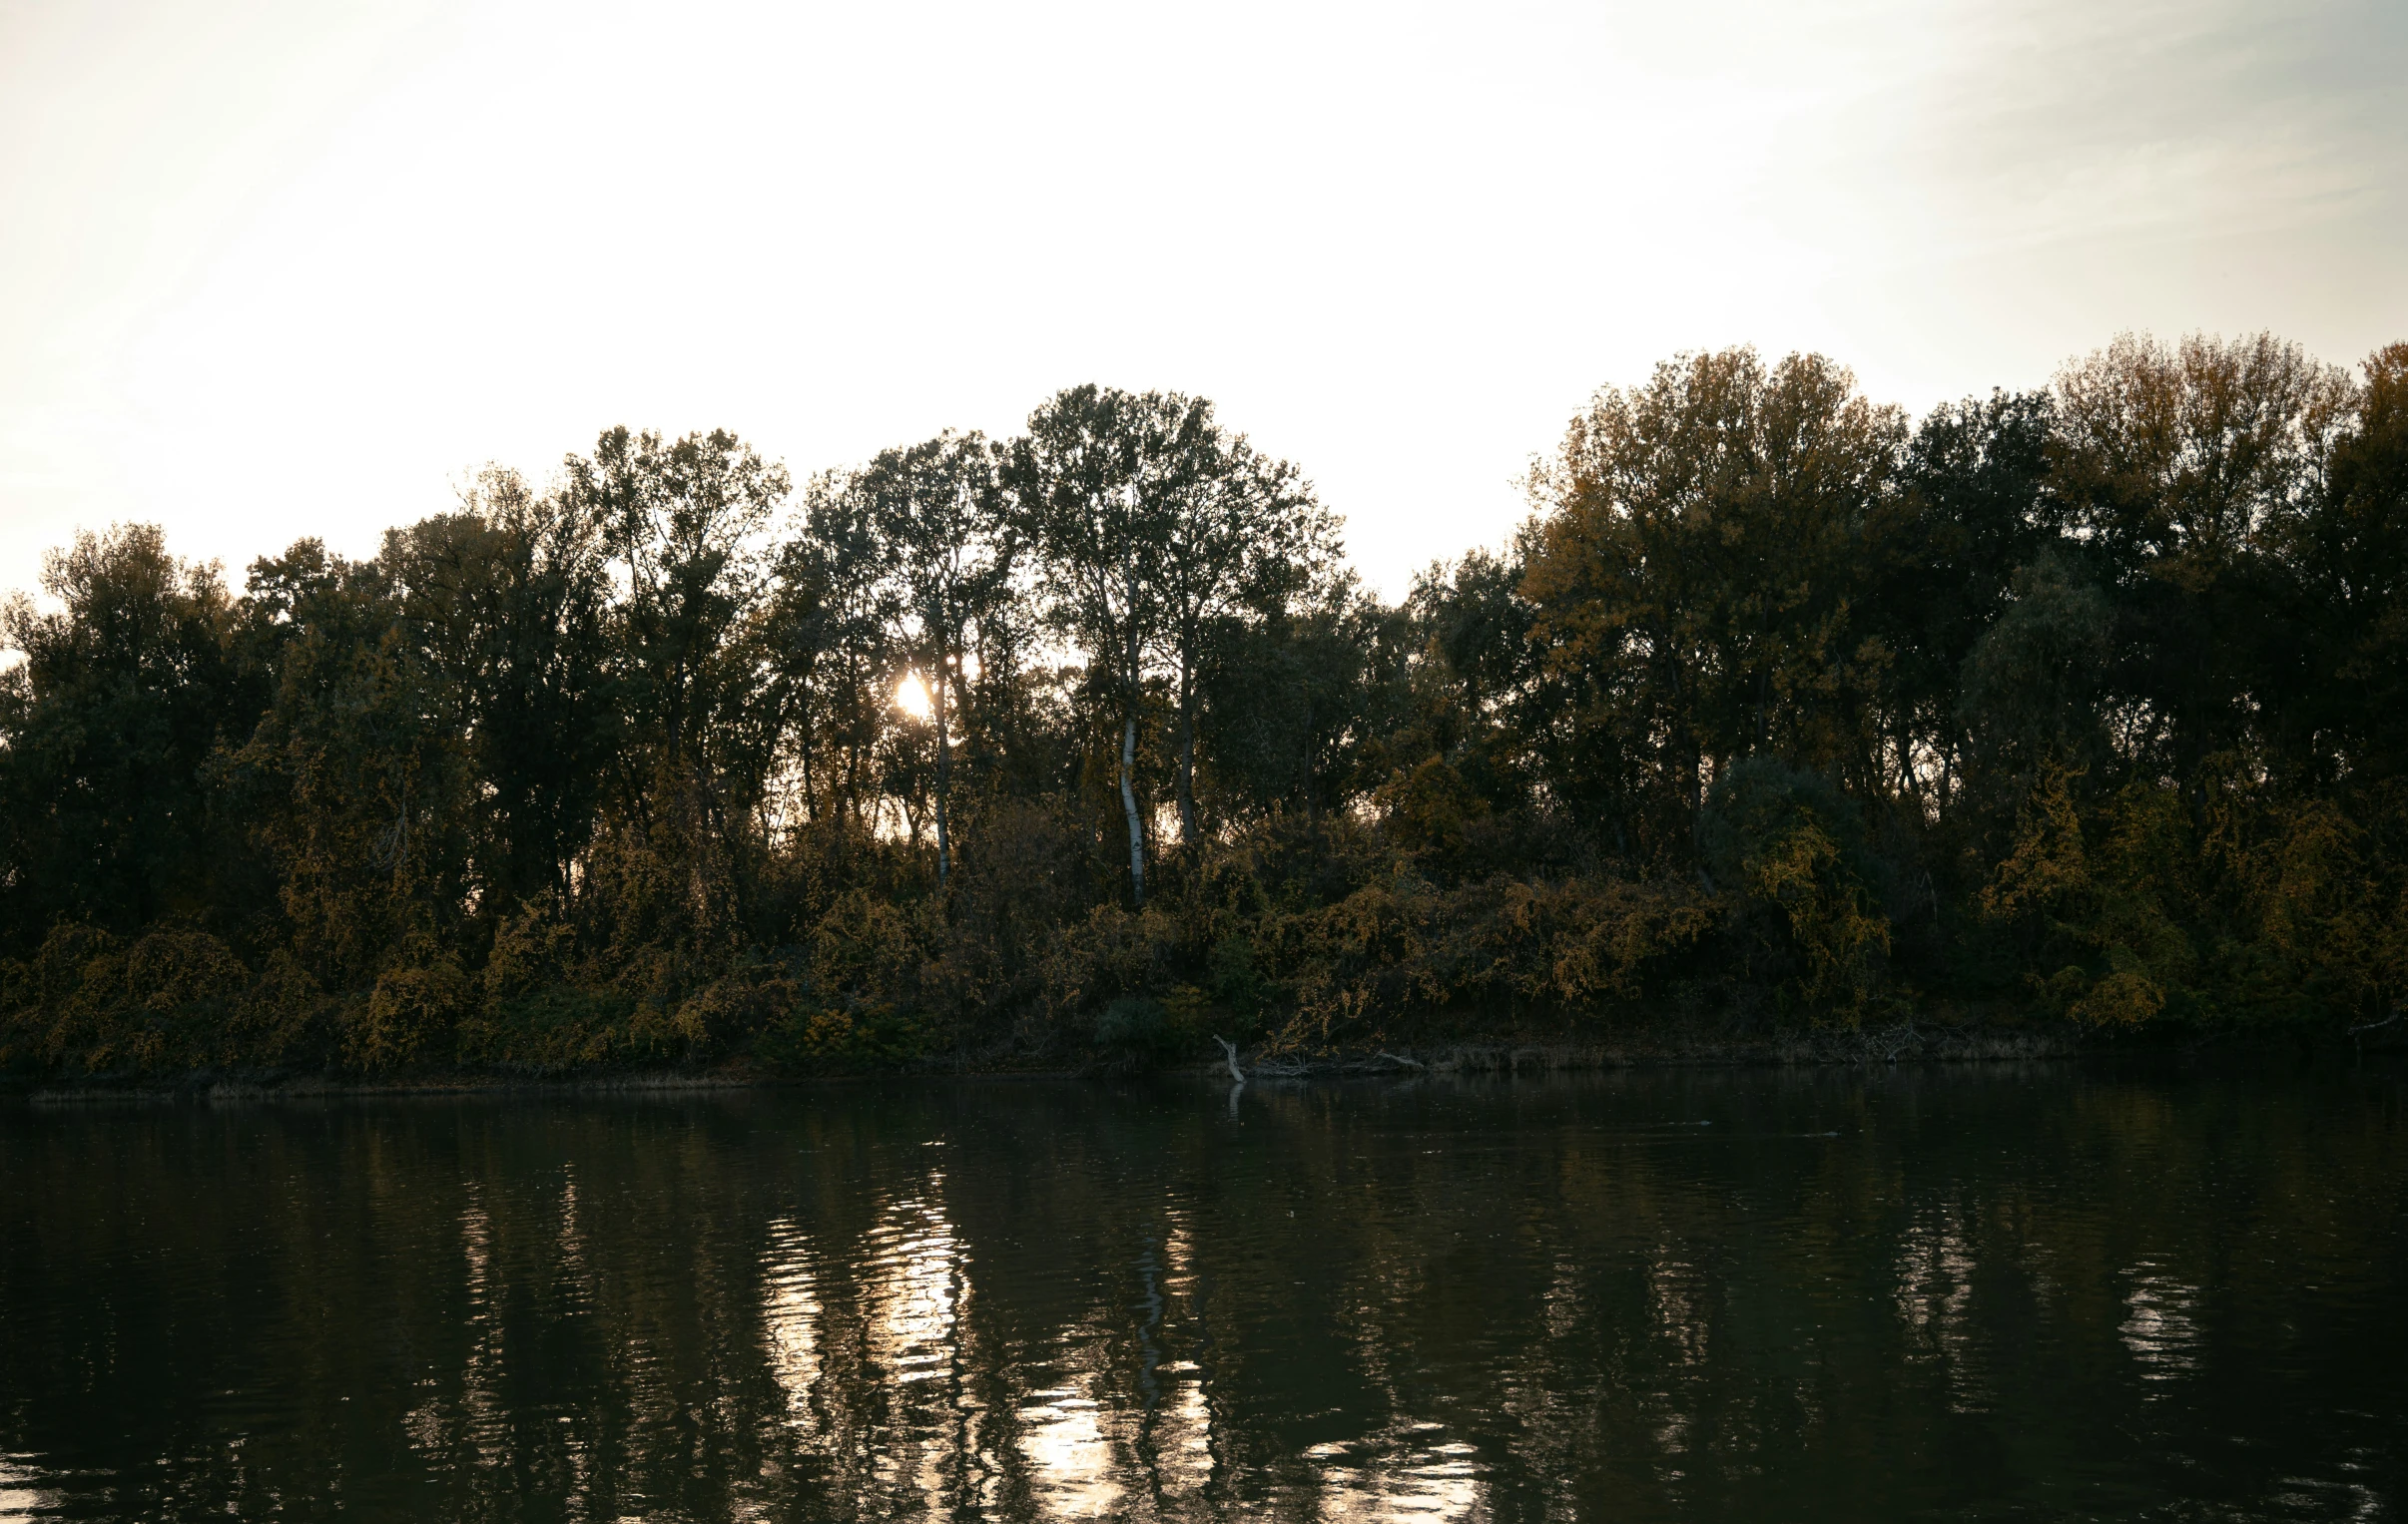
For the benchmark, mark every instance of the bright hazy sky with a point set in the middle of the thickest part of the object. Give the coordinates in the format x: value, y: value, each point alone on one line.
x: 270, y: 270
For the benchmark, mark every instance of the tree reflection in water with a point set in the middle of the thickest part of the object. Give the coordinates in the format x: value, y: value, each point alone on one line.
x: 1853, y: 1296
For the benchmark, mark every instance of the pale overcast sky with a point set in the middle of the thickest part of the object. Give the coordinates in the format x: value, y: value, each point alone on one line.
x: 270, y: 270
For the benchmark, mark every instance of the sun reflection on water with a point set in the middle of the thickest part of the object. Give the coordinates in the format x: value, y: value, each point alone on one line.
x: 1935, y: 1301
x: 20, y: 1495
x: 1418, y: 1474
x: 482, y: 1409
x: 916, y: 1286
x: 916, y: 1300
x: 1007, y: 1328
x: 790, y: 1318
x: 1069, y: 1457
x: 2161, y: 1333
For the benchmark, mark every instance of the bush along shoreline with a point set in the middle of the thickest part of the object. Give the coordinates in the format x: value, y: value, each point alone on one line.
x: 1786, y: 727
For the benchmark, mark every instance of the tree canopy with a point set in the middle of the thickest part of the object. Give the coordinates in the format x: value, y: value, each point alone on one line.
x: 2078, y: 705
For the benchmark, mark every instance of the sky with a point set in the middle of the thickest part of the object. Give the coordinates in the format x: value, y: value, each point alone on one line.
x: 281, y: 267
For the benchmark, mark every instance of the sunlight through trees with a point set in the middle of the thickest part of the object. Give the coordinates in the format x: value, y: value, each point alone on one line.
x: 1782, y: 709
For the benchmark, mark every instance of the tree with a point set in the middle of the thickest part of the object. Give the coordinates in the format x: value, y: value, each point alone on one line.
x: 2349, y: 548
x: 1294, y: 699
x: 2088, y: 697
x: 356, y: 781
x: 107, y: 728
x: 683, y: 523
x: 1477, y: 687
x: 1698, y: 565
x: 1973, y: 508
x: 937, y: 509
x: 2178, y: 462
x: 510, y: 599
x: 1093, y: 483
x: 829, y: 618
x: 1241, y: 535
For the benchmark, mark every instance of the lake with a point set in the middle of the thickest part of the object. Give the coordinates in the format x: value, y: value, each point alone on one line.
x: 2035, y: 1292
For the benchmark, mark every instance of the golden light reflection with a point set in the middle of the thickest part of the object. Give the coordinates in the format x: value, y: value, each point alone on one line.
x: 917, y: 1284
x: 1183, y: 1435
x: 1935, y: 1299
x: 1419, y: 1474
x: 1068, y: 1454
x: 1674, y: 1288
x: 1676, y: 1294
x: 916, y: 1301
x: 21, y: 1497
x: 790, y: 1318
x: 572, y: 1235
x: 483, y: 1413
x: 2161, y: 1333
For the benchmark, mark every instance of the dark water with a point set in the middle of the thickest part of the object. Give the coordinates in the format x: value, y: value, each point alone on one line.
x: 2013, y: 1293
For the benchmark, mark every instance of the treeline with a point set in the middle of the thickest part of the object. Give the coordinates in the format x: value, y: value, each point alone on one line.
x: 2083, y: 706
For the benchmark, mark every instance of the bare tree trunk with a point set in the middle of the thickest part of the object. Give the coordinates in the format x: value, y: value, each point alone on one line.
x: 1128, y: 806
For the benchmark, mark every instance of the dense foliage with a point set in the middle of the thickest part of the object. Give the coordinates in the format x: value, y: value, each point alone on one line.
x: 2086, y: 706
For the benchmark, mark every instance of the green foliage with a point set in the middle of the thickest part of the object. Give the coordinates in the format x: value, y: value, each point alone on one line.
x: 1429, y: 809
x: 1235, y: 985
x: 172, y: 999
x: 1135, y: 1024
x: 1494, y: 955
x: 2085, y: 700
x: 1792, y: 850
x: 107, y: 726
x: 820, y: 1040
x: 409, y: 1017
x: 559, y: 1029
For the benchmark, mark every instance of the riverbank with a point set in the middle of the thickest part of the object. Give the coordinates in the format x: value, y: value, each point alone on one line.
x: 1659, y: 1046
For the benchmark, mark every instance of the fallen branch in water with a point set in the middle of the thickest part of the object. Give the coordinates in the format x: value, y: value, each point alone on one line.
x: 2375, y: 1025
x: 1229, y: 1048
x: 1407, y: 1062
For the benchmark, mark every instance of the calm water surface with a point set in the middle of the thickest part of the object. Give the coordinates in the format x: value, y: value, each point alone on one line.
x: 2036, y: 1293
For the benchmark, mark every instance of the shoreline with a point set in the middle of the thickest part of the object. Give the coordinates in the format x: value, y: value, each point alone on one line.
x: 1473, y: 1058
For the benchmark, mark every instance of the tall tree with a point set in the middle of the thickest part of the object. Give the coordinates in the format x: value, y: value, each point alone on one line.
x: 937, y: 509
x: 830, y: 614
x: 356, y: 779
x: 1093, y: 483
x: 1974, y: 507
x: 1296, y: 698
x: 1696, y: 563
x: 1241, y: 535
x: 2176, y: 462
x: 509, y: 597
x: 684, y: 524
x: 2350, y: 551
x: 106, y: 728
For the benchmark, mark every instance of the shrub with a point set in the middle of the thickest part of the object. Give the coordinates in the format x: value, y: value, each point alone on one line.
x: 410, y: 1017
x: 822, y: 1039
x: 1133, y: 1023
x: 1792, y: 850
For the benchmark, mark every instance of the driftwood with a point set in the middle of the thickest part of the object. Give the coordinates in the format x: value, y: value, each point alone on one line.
x: 2358, y: 1041
x: 1229, y: 1049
